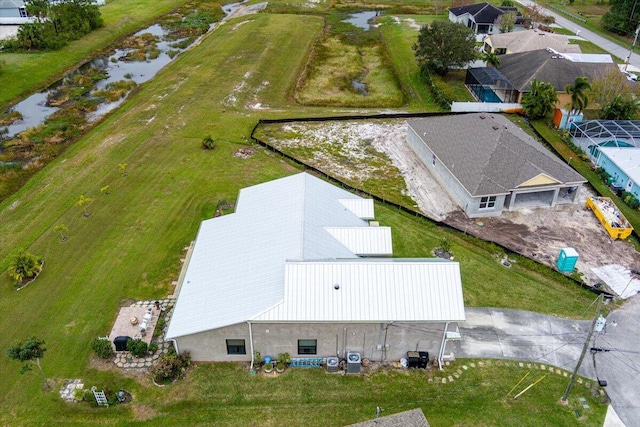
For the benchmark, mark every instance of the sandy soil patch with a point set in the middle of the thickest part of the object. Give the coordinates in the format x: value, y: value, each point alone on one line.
x: 537, y: 233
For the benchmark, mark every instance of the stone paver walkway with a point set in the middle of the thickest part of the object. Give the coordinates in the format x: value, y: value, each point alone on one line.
x: 126, y: 360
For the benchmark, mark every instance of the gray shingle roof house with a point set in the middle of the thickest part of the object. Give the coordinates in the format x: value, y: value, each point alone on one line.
x: 480, y: 17
x: 488, y: 164
x: 528, y: 40
x: 299, y: 268
x: 548, y: 66
x: 513, y: 77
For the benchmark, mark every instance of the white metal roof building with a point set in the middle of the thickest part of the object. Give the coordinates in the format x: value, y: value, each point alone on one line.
x: 281, y: 255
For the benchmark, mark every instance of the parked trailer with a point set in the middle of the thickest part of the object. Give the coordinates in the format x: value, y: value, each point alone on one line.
x: 607, y: 212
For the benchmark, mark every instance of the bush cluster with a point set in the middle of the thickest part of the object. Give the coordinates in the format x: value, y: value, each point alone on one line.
x: 102, y: 348
x: 55, y: 24
x: 137, y: 347
x: 438, y: 95
x: 630, y: 200
x: 170, y: 366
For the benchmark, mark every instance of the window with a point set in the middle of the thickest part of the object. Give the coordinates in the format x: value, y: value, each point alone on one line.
x: 307, y: 346
x: 487, y: 202
x: 236, y: 347
x: 23, y: 12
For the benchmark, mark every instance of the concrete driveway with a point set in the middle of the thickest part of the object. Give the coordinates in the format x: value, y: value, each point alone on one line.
x: 522, y: 335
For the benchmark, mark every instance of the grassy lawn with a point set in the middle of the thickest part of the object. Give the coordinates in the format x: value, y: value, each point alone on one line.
x: 399, y: 38
x: 131, y: 246
x: 308, y: 397
x: 25, y: 73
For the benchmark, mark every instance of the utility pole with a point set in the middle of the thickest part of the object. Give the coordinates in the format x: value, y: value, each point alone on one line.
x: 635, y: 40
x: 565, y: 397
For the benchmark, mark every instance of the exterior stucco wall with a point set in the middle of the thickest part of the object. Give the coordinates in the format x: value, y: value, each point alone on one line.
x: 471, y: 205
x: 369, y: 339
x: 9, y: 13
x: 619, y: 176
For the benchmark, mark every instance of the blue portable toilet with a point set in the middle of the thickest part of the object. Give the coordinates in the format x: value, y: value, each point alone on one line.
x: 567, y: 260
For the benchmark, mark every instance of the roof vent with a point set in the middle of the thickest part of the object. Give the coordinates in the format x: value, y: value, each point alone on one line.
x: 482, y: 116
x: 336, y: 286
x: 554, y: 57
x: 496, y: 127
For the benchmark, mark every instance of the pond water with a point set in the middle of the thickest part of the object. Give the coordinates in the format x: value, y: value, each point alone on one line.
x: 361, y: 19
x: 35, y: 110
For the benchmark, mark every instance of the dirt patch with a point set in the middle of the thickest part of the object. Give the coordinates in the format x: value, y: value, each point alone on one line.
x: 244, y: 153
x: 540, y: 233
x: 537, y: 233
x: 144, y: 412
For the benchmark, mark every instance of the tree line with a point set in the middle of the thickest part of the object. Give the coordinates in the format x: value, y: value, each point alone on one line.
x: 55, y: 24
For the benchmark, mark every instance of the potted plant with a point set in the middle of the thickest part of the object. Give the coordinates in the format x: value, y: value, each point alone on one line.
x: 285, y: 358
x: 268, y: 367
x: 279, y: 367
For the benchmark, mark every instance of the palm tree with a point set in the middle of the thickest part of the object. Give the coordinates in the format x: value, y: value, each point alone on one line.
x: 540, y: 101
x: 62, y: 229
x: 83, y: 202
x: 577, y: 90
x: 25, y: 266
x: 491, y: 59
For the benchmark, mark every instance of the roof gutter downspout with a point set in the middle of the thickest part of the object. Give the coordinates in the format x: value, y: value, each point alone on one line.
x: 175, y: 345
x: 251, y: 345
x: 442, y: 345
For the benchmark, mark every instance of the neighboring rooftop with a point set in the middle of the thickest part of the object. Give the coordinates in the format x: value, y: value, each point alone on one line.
x: 483, y: 13
x: 528, y: 40
x: 489, y: 154
x: 522, y: 68
x: 627, y: 159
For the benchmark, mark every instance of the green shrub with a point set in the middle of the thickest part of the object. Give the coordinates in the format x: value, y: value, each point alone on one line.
x: 153, y: 347
x: 170, y: 366
x: 102, y: 348
x: 208, y: 143
x: 137, y: 347
x: 630, y: 200
x: 438, y: 95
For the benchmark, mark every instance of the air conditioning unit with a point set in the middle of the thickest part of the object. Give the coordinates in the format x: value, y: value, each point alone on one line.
x: 353, y: 363
x: 333, y: 364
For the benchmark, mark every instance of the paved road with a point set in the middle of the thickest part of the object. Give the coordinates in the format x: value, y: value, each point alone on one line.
x: 620, y: 367
x: 611, y: 47
x: 522, y: 335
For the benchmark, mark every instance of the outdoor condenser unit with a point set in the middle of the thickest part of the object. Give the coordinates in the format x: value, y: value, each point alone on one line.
x: 333, y: 364
x: 353, y: 363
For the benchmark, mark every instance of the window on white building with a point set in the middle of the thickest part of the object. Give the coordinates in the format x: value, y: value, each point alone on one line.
x: 487, y: 202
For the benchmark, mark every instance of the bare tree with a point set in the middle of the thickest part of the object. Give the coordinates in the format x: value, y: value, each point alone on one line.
x: 506, y: 22
x: 606, y: 86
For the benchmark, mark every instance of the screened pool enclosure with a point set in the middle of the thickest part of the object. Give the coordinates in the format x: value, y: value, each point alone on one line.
x: 592, y: 134
x: 490, y: 85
